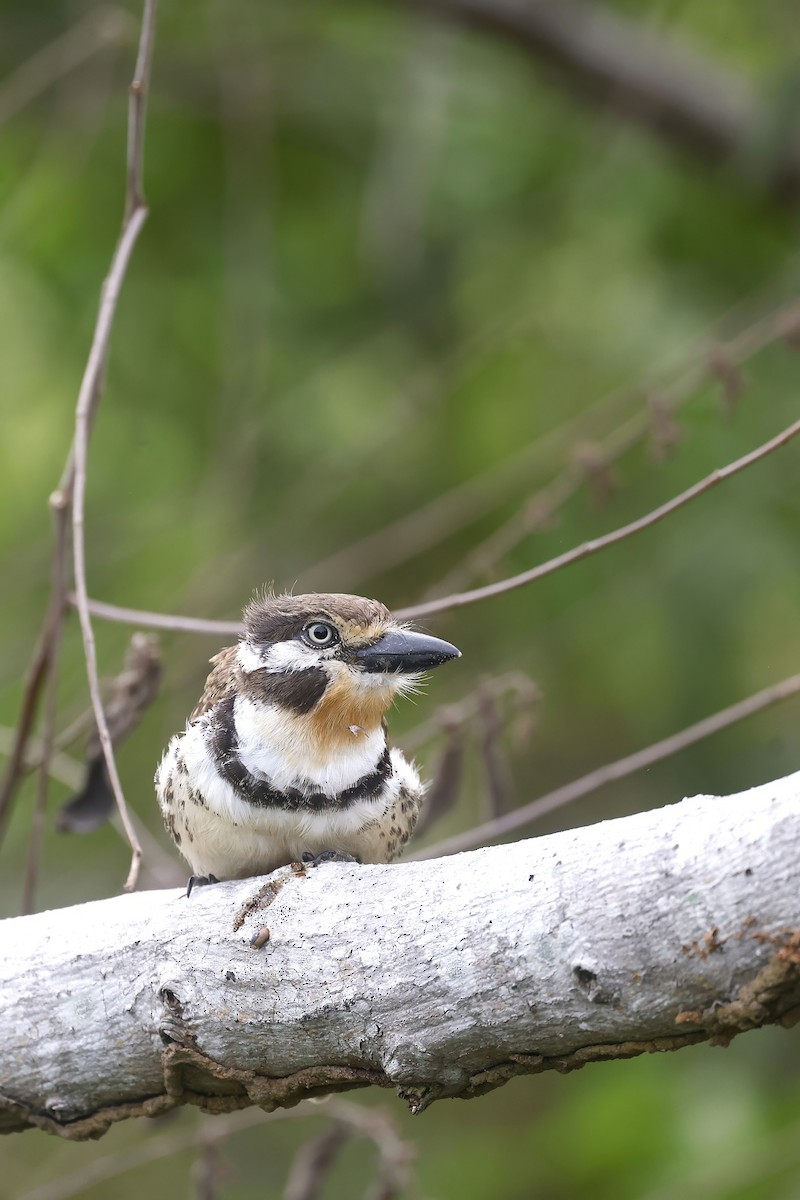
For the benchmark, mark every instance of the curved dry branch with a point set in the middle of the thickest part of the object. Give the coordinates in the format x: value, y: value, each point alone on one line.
x: 587, y: 549
x: 438, y: 979
x: 70, y: 496
x: 686, y: 98
x: 152, y: 620
x: 89, y: 397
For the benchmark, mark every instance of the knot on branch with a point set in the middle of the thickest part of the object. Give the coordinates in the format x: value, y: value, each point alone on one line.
x: 586, y: 978
x: 773, y: 996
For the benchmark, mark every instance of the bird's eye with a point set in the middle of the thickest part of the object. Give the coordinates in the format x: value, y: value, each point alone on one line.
x: 320, y: 633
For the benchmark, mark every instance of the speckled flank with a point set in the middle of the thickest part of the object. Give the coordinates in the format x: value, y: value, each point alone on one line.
x: 399, y: 824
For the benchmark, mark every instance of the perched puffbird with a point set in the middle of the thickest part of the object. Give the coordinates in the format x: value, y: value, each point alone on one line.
x: 285, y: 757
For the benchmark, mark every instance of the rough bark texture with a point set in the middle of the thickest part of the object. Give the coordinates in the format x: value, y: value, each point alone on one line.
x: 440, y: 978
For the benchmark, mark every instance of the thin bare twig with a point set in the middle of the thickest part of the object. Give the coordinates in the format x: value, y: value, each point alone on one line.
x: 34, y: 680
x: 90, y: 390
x: 164, y: 870
x: 63, y: 767
x: 460, y: 599
x: 101, y: 27
x: 137, y: 113
x: 44, y: 665
x: 688, y: 100
x: 656, y: 421
x: 156, y: 620
x: 58, y: 593
x: 209, y: 1168
x: 94, y: 367
x: 79, y: 728
x: 540, y: 509
x: 62, y: 499
x: 162, y: 867
x: 451, y: 722
x: 436, y: 520
x: 313, y: 1162
x: 396, y: 1155
x: 499, y: 784
x: 620, y: 769
x: 442, y: 795
x: 43, y: 668
x: 111, y: 1166
x: 524, y: 691
x: 444, y: 515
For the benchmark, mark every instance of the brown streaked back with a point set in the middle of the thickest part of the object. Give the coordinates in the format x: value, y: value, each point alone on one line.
x: 220, y: 683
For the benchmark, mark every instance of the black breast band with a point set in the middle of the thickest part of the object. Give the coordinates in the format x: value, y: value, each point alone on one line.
x: 223, y: 744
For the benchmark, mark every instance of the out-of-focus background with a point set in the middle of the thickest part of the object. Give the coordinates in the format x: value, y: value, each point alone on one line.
x: 401, y: 267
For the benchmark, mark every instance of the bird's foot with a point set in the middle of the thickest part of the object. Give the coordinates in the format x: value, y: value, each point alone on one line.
x: 326, y: 856
x: 199, y: 881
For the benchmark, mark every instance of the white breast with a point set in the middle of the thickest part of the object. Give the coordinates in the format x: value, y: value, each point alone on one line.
x: 273, y: 745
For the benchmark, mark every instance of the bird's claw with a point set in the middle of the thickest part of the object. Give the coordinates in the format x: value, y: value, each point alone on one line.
x: 199, y: 881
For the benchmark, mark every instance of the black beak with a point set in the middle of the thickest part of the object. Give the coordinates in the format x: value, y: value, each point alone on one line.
x: 405, y: 651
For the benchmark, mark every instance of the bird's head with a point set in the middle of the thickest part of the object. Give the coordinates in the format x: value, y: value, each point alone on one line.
x: 339, y: 660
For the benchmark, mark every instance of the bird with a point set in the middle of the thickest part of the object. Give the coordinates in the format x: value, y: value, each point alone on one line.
x: 285, y: 758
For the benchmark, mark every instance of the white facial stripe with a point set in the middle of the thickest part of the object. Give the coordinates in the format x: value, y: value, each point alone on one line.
x: 249, y: 659
x: 291, y: 656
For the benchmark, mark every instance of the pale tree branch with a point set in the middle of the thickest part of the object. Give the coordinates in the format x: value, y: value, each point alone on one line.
x: 437, y: 979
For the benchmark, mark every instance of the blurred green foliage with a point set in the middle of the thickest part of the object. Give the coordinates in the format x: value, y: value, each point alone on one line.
x: 382, y: 257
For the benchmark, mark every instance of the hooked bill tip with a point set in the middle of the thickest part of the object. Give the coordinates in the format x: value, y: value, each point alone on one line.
x: 404, y: 650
